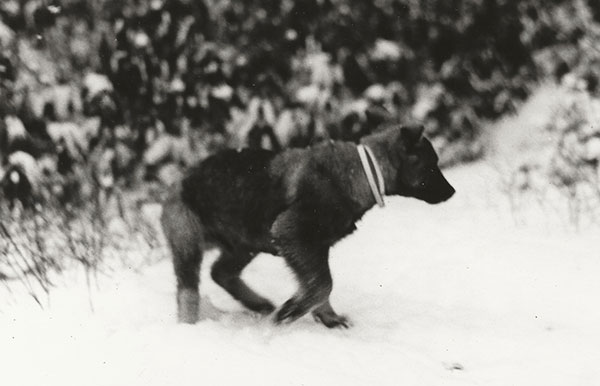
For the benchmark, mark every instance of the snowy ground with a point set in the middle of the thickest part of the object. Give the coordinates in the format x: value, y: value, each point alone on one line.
x: 454, y: 294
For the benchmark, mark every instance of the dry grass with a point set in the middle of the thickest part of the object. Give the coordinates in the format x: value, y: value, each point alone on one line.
x: 37, y: 245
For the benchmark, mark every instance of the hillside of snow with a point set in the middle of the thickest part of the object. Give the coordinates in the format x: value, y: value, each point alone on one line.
x: 454, y: 294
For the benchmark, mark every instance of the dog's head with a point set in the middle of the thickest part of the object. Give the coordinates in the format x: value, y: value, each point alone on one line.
x: 413, y: 165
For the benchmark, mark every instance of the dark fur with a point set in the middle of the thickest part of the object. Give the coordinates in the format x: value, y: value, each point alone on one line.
x: 295, y: 204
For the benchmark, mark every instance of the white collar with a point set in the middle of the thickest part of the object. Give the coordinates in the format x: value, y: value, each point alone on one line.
x: 373, y: 172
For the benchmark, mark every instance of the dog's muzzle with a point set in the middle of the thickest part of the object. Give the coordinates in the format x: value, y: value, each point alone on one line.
x: 437, y: 190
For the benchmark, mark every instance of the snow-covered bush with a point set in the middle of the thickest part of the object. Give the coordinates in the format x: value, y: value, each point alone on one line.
x: 560, y: 164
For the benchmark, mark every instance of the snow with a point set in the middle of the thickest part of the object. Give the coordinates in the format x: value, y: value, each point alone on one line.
x: 14, y: 127
x: 452, y: 294
x: 308, y: 94
x: 386, y: 50
x: 223, y: 92
x: 6, y: 34
x: 375, y: 92
x: 96, y: 83
x: 27, y: 164
x: 74, y: 136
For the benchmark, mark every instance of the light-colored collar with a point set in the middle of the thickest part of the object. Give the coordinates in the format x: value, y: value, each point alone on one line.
x: 373, y: 173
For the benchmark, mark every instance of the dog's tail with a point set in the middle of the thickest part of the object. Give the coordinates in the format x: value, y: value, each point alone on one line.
x: 183, y: 230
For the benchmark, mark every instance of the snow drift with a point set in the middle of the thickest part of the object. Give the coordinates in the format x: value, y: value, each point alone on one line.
x: 452, y: 294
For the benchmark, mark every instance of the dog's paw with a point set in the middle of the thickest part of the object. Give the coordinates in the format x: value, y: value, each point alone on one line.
x: 331, y: 320
x: 289, y: 312
x: 265, y: 308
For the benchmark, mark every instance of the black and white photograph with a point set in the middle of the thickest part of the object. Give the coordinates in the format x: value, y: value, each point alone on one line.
x: 299, y: 192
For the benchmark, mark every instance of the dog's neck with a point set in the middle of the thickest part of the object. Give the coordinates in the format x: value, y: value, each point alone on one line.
x: 373, y: 173
x: 383, y: 155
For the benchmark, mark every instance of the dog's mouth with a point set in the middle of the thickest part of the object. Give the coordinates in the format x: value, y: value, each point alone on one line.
x: 431, y: 195
x: 434, y: 191
x: 439, y: 196
x: 439, y: 191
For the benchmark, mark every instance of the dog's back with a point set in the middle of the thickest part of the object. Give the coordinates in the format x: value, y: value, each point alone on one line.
x: 236, y: 195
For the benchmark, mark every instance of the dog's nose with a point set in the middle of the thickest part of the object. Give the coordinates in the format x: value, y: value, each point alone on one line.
x: 449, y: 192
x: 452, y: 191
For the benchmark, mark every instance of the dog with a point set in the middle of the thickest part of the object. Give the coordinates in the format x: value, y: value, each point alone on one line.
x: 295, y: 204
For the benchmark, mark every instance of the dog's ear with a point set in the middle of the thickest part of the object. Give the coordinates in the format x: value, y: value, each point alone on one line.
x: 411, y: 134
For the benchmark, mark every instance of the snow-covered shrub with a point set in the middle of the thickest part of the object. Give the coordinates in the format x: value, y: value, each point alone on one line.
x: 559, y: 164
x: 574, y: 162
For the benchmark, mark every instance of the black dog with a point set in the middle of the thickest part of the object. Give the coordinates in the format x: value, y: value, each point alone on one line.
x: 295, y: 204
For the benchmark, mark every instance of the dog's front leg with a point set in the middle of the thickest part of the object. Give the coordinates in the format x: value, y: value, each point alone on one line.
x: 304, y: 240
x: 326, y: 315
x: 311, y: 267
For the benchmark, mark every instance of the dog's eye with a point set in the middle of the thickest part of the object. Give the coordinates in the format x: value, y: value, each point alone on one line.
x: 427, y: 175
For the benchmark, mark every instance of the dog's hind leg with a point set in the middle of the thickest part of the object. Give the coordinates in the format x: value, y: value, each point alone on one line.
x: 226, y: 272
x: 183, y: 231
